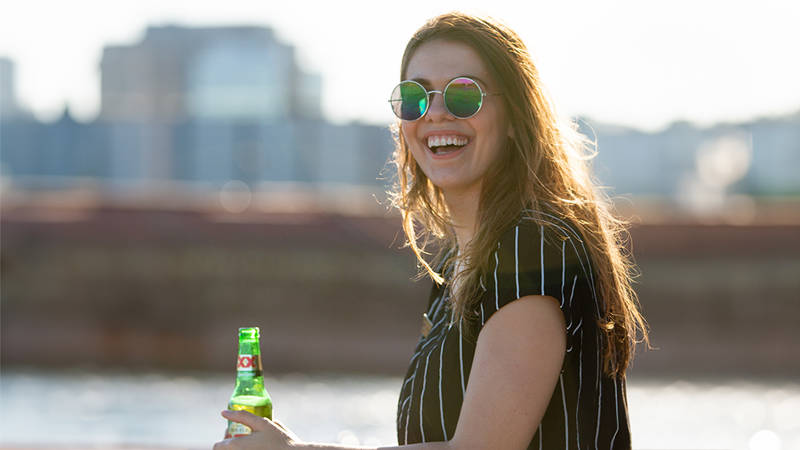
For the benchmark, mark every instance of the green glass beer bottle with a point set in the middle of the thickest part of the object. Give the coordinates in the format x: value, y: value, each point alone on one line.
x: 249, y: 393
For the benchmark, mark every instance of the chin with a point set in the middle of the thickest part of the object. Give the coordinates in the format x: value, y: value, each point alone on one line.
x: 449, y: 185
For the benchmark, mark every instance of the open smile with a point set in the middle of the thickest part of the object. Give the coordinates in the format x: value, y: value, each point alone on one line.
x: 446, y: 145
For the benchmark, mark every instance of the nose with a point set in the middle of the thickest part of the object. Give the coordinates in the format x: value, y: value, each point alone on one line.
x: 437, y: 111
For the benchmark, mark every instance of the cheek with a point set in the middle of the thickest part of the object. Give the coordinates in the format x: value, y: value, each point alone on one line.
x: 410, y: 135
x: 494, y: 135
x: 408, y: 130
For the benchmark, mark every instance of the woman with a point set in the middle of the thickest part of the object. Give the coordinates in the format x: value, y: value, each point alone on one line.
x: 532, y: 321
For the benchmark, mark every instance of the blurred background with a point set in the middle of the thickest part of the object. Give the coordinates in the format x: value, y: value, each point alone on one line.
x: 172, y: 171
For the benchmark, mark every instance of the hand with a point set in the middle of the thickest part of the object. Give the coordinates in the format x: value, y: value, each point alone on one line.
x: 267, y: 434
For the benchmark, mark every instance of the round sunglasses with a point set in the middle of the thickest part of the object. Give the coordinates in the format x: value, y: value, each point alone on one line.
x: 463, y: 98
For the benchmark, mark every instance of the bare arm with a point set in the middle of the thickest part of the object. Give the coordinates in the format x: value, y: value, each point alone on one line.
x: 517, y: 361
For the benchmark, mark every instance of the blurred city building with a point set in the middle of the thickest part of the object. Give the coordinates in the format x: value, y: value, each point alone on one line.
x: 9, y: 107
x: 204, y: 106
x: 703, y: 170
x: 177, y: 74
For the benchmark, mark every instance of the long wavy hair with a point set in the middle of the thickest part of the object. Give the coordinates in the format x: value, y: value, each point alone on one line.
x: 546, y: 164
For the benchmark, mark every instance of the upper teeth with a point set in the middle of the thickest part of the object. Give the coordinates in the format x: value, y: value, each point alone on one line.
x: 438, y: 141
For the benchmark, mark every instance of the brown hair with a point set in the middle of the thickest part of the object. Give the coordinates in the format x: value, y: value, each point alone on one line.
x: 545, y: 164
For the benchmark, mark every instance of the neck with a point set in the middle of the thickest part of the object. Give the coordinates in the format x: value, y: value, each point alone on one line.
x: 463, y: 209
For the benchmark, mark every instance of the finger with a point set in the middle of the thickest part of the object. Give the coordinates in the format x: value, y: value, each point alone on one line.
x: 256, y: 423
x: 286, y: 430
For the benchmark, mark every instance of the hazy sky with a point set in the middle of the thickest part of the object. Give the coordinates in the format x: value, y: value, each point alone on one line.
x: 633, y: 62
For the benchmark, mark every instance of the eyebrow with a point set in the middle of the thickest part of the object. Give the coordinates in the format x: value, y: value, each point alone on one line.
x: 427, y: 84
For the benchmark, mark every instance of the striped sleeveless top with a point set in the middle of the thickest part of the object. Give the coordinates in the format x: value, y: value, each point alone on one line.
x: 588, y: 409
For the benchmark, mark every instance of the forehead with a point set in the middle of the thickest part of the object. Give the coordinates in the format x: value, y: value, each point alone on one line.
x: 439, y: 61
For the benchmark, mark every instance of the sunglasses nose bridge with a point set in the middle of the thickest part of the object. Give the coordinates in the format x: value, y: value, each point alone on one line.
x: 436, y: 104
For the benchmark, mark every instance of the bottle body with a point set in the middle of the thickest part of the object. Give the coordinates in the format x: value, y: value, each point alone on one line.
x: 249, y: 394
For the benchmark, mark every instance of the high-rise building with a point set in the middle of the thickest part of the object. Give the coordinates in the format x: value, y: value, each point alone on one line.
x: 9, y: 108
x: 176, y: 74
x: 198, y: 81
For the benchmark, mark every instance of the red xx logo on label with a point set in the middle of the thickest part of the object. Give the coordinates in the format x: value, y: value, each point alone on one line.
x: 245, y: 362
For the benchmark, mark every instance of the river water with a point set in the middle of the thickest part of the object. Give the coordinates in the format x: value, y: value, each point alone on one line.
x: 80, y: 408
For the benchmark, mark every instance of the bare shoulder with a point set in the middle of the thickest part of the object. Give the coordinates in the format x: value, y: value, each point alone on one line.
x: 530, y: 330
x: 535, y: 314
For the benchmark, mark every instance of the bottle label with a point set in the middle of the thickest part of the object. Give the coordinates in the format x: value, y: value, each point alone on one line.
x: 248, y: 364
x: 236, y: 430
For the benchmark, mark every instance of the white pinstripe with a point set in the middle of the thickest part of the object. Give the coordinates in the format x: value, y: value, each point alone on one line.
x: 563, y: 244
x: 541, y: 257
x: 563, y: 299
x: 496, y: 264
x: 411, y: 402
x: 441, y: 405
x: 580, y: 385
x: 401, y: 410
x: 438, y: 302
x: 540, y: 436
x: 516, y: 257
x: 616, y: 409
x: 624, y: 387
x: 422, y: 397
x: 578, y: 327
x: 571, y: 294
x: 599, y: 391
x: 461, y: 357
x: 566, y: 417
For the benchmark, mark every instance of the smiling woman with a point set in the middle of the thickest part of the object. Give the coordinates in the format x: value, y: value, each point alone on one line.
x: 531, y: 323
x: 526, y: 243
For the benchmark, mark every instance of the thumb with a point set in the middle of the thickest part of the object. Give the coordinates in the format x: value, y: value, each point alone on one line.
x: 256, y: 423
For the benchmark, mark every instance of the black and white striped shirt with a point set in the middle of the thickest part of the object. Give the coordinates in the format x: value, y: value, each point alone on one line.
x: 588, y: 409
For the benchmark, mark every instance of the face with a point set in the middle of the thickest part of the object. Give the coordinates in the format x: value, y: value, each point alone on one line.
x: 454, y: 169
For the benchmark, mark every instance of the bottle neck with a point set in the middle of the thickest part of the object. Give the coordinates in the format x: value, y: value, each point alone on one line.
x: 248, y: 361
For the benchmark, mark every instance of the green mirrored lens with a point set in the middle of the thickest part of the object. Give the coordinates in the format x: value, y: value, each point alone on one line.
x: 409, y: 101
x: 463, y: 97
